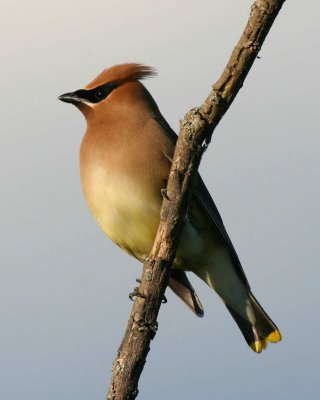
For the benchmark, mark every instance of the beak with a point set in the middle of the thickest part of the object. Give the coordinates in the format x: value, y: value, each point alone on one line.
x: 72, y: 98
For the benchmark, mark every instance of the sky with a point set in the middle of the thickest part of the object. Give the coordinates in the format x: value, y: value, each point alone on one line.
x: 64, y: 285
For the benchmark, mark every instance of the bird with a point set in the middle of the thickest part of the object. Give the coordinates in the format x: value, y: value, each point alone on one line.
x: 125, y: 159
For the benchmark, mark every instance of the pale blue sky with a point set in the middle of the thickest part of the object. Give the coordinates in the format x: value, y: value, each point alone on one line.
x: 64, y: 286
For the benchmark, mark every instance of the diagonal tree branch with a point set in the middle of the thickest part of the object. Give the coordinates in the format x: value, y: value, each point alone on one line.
x: 195, y: 133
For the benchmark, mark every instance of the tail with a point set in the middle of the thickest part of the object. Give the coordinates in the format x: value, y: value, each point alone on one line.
x: 264, y: 330
x: 254, y: 323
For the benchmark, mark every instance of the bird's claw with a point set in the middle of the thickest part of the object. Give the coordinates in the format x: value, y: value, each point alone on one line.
x: 135, y: 294
x: 164, y: 194
x: 204, y: 144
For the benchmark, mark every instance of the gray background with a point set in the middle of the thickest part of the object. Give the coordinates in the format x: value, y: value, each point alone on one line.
x: 64, y: 286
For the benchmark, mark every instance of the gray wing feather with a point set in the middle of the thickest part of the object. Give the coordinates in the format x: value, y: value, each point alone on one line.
x: 203, y: 197
x: 206, y: 202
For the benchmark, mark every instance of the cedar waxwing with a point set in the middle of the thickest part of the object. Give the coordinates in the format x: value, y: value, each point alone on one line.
x: 125, y: 160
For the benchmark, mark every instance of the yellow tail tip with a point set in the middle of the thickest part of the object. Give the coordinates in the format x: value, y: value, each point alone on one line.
x: 274, y: 337
x: 259, y: 345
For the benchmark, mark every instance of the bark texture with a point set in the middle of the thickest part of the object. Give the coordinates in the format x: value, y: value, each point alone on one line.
x: 196, y: 130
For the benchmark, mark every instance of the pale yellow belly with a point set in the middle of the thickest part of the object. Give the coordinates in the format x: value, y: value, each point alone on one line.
x: 127, y: 210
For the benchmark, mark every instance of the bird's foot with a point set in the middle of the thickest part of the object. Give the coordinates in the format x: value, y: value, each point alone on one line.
x: 164, y: 300
x: 164, y: 194
x: 136, y: 293
x: 204, y: 144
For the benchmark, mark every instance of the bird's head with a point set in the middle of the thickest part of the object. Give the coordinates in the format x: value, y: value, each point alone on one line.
x: 110, y: 88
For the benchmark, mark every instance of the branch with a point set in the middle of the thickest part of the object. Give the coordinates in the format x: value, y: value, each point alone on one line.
x: 195, y: 134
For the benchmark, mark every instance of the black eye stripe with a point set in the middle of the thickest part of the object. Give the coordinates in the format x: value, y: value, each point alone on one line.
x: 97, y: 94
x: 100, y: 94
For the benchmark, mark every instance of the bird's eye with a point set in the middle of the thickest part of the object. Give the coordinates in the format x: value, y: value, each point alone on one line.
x: 100, y: 94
